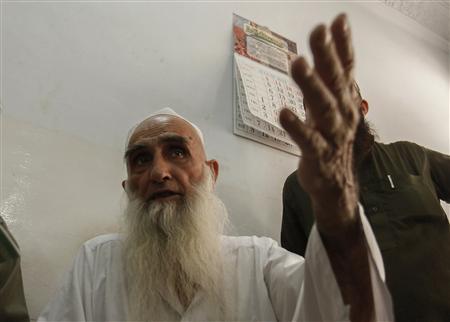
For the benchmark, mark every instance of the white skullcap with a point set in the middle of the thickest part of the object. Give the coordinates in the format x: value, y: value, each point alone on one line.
x: 167, y: 111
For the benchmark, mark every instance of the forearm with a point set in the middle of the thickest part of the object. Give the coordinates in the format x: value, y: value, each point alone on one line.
x: 348, y: 255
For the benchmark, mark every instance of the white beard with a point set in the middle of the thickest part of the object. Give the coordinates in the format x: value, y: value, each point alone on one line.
x: 172, y: 250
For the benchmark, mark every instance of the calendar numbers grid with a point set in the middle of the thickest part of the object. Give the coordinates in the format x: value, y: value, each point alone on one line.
x: 261, y: 93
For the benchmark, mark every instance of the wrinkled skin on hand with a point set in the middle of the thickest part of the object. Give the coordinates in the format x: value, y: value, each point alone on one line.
x: 326, y: 168
x: 326, y: 140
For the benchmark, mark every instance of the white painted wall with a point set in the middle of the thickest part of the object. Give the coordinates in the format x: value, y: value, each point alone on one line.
x: 76, y: 76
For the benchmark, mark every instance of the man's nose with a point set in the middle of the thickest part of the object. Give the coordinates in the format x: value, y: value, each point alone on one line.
x: 160, y: 170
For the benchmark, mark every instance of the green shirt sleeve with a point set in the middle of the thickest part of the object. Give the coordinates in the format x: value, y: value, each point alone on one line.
x: 12, y: 299
x: 298, y: 218
x: 440, y: 173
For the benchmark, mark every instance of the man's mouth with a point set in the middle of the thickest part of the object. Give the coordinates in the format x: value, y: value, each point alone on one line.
x: 164, y: 194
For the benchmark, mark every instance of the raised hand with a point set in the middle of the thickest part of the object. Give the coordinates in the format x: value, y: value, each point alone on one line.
x: 326, y: 139
x: 326, y: 167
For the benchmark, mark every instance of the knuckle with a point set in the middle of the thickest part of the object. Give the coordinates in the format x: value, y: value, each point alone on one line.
x: 336, y: 82
x: 348, y: 64
x: 353, y: 115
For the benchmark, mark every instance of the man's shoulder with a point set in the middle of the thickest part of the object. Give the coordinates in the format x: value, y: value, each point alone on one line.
x: 403, y: 148
x: 253, y: 249
x: 291, y: 185
x: 249, y: 242
x: 400, y: 144
x: 103, y: 241
x: 291, y: 179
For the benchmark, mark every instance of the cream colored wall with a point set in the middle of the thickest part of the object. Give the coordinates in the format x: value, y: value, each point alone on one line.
x: 76, y: 76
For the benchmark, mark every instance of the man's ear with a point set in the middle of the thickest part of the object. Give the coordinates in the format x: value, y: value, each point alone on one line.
x: 124, y: 183
x: 214, y: 166
x: 364, y: 106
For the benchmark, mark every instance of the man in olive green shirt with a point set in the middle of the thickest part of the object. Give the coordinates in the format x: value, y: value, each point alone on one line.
x: 12, y: 300
x: 400, y: 187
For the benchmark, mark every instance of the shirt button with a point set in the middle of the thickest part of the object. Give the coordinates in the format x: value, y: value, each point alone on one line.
x: 374, y: 208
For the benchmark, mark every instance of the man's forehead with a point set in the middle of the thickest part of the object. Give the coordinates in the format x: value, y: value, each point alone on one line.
x: 167, y: 137
x: 162, y: 127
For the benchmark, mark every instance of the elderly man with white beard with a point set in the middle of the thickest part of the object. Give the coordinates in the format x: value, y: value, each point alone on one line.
x: 172, y: 263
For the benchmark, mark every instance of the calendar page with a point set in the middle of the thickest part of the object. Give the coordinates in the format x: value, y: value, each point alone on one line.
x: 262, y: 84
x: 240, y: 128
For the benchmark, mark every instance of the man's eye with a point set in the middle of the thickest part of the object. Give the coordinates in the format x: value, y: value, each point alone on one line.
x: 178, y: 152
x: 142, y: 159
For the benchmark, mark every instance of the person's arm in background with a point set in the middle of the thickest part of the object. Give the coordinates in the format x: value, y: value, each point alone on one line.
x: 297, y: 217
x: 13, y: 307
x: 440, y: 173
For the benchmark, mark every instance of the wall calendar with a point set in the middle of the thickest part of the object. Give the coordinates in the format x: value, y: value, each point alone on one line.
x: 262, y: 85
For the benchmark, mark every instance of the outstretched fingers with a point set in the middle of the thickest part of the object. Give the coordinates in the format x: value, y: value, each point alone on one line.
x: 327, y: 62
x: 343, y: 42
x: 334, y: 63
x: 327, y: 90
x: 311, y: 143
x: 322, y: 105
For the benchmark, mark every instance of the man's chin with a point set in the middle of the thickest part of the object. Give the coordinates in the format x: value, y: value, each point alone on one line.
x: 165, y: 201
x: 170, y: 198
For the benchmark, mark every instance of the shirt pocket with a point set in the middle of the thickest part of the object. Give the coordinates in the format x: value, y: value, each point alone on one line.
x: 393, y: 203
x: 411, y: 198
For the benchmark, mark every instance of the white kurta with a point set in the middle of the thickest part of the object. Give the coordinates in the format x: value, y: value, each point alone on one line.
x: 267, y: 282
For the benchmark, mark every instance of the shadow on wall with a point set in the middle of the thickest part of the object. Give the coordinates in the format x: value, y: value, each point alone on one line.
x: 59, y: 192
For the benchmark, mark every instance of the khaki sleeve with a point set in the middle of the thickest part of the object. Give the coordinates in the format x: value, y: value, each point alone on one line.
x: 12, y: 300
x: 440, y: 173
